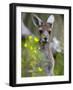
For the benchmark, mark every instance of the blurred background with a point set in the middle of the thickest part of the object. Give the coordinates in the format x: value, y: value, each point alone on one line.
x: 58, y: 29
x: 29, y: 64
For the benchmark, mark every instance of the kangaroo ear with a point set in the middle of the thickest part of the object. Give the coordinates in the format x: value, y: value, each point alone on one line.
x: 36, y: 20
x: 51, y: 19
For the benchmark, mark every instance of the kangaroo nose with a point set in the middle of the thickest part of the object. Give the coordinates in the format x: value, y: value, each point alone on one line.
x: 45, y: 38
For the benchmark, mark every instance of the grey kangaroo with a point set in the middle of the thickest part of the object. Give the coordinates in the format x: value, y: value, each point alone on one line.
x: 45, y: 29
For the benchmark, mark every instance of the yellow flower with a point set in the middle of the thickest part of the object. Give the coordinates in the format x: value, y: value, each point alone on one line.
x: 31, y: 47
x: 25, y: 45
x: 35, y: 51
x: 39, y: 69
x: 30, y: 37
x: 36, y: 39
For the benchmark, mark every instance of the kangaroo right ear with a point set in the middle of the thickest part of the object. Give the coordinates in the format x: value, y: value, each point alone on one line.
x: 51, y: 19
x: 36, y: 20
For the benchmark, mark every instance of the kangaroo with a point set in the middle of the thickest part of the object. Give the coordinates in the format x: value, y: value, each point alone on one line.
x: 44, y: 29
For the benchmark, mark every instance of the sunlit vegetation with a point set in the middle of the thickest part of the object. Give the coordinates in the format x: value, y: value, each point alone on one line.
x: 34, y: 61
x: 59, y: 64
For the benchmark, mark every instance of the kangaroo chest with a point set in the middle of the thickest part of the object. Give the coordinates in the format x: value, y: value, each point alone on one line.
x: 47, y: 51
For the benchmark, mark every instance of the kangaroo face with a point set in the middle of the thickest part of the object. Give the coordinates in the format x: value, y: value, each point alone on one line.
x: 45, y: 32
x: 44, y: 28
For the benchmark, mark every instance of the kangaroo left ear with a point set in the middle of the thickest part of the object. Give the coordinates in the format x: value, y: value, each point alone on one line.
x: 51, y: 19
x: 36, y: 20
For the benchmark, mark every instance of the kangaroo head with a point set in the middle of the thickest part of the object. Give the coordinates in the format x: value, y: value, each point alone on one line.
x: 44, y: 27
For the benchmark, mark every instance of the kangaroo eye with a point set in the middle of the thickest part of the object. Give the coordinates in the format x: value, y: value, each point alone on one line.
x: 41, y: 31
x: 49, y: 32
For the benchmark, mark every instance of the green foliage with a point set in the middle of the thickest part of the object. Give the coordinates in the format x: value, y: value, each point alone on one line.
x: 31, y: 57
x: 34, y: 61
x: 59, y: 64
